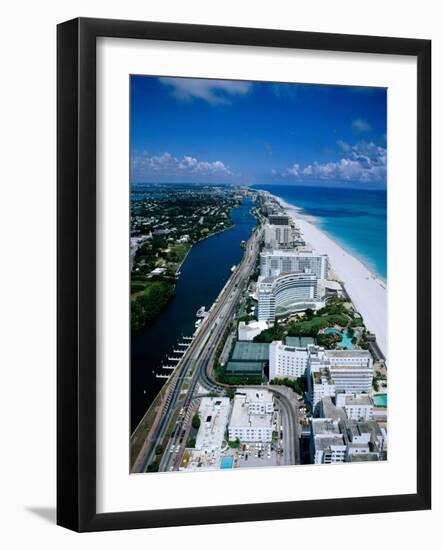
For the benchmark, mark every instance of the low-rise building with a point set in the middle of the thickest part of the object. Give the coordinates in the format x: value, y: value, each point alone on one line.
x: 357, y: 406
x: 248, y: 331
x: 214, y: 413
x: 328, y: 445
x: 252, y: 416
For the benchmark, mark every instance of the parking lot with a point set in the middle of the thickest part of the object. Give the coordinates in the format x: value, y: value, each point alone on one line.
x: 259, y: 454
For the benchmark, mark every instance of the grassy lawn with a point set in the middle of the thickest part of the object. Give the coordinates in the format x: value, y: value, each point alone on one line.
x: 316, y: 323
x: 177, y: 254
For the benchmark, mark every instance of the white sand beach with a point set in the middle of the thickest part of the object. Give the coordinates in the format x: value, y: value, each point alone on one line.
x: 367, y: 292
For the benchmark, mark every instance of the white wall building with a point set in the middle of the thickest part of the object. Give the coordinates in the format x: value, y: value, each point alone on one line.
x: 252, y: 416
x: 214, y: 413
x: 328, y: 445
x: 279, y: 296
x: 356, y: 406
x: 338, y: 371
x: 287, y: 361
x: 279, y: 236
x: 276, y: 262
x: 351, y: 370
x: 250, y: 330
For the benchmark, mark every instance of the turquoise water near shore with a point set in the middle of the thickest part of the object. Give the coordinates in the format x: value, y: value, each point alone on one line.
x: 356, y: 218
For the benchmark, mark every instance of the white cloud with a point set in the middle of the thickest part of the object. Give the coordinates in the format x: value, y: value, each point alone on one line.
x: 145, y: 165
x: 364, y: 161
x: 215, y: 92
x: 360, y: 125
x: 293, y: 170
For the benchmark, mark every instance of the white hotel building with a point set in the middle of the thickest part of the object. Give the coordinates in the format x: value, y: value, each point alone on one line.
x: 338, y: 371
x: 356, y: 406
x: 252, y: 416
x: 274, y: 263
x: 279, y: 236
x: 279, y: 296
x: 287, y: 361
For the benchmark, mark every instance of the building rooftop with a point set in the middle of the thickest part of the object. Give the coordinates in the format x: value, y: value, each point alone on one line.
x: 359, y: 399
x: 244, y: 367
x: 241, y: 417
x: 325, y: 426
x: 250, y: 351
x: 213, y: 412
x: 363, y: 457
x: 325, y: 443
x: 347, y: 353
x: 300, y: 341
x: 330, y: 410
x: 252, y: 326
x: 303, y: 253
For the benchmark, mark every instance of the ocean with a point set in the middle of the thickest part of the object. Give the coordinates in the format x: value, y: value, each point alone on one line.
x: 356, y: 218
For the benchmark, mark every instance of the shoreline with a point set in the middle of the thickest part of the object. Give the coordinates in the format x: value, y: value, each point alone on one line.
x: 367, y: 291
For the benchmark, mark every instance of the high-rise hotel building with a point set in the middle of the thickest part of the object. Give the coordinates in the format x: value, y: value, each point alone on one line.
x: 274, y: 263
x: 279, y: 296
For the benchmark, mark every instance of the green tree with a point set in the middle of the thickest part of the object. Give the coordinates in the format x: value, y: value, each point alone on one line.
x: 309, y: 313
x: 230, y: 393
x: 153, y: 466
x: 159, y: 450
x: 196, y: 421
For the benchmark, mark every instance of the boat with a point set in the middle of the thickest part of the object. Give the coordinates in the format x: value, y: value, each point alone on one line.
x: 201, y: 313
x: 232, y: 269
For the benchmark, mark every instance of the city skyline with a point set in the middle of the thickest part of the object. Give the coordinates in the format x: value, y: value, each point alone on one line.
x: 238, y: 132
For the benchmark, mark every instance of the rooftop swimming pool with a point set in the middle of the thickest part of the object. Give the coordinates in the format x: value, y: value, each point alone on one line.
x: 380, y: 400
x: 226, y: 462
x: 346, y: 339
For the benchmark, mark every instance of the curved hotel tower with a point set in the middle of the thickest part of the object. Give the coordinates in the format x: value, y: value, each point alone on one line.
x: 290, y: 292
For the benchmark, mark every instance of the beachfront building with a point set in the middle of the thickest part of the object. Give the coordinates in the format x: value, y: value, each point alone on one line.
x: 351, y: 370
x: 248, y: 331
x: 273, y: 263
x: 289, y: 361
x: 279, y: 219
x: 330, y: 372
x: 279, y: 236
x: 288, y: 293
x: 328, y: 445
x: 252, y: 416
x: 356, y: 406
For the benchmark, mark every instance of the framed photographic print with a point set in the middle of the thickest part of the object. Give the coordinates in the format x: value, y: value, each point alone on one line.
x: 243, y: 274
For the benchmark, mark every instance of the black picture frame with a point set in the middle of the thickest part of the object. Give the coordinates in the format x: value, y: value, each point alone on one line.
x: 76, y: 273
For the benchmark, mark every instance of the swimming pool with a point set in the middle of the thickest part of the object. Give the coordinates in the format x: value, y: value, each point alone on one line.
x: 380, y: 400
x: 226, y: 462
x: 346, y: 339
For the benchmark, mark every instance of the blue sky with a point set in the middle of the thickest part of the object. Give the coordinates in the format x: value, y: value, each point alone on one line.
x: 221, y: 131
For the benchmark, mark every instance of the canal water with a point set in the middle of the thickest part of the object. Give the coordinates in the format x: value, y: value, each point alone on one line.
x: 203, y: 275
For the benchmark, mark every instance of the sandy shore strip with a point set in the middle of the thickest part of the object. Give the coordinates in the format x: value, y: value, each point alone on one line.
x: 367, y: 292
